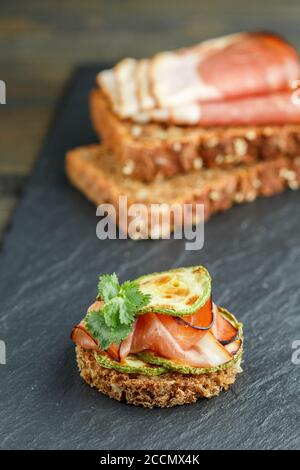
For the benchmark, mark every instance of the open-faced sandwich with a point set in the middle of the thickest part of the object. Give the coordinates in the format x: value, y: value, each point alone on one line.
x: 159, y: 340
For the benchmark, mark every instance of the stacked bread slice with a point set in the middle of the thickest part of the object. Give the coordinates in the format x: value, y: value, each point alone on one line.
x: 168, y: 162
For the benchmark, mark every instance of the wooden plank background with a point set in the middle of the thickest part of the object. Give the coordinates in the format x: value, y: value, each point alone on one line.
x: 42, y: 40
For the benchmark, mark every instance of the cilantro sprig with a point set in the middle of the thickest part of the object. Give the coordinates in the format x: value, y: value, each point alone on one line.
x: 114, y: 321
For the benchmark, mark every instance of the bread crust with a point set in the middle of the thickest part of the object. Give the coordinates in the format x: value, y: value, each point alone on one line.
x: 166, y: 390
x: 94, y: 171
x: 148, y: 151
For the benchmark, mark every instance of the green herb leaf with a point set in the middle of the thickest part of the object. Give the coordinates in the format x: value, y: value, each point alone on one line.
x: 111, y: 313
x: 134, y: 295
x: 114, y: 321
x: 95, y: 324
x: 108, y: 286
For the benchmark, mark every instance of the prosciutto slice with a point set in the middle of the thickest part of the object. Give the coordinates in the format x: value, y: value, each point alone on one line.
x: 244, y: 78
x: 200, y: 349
x: 238, y: 65
x: 275, y: 108
x: 82, y: 338
x: 144, y: 95
x: 170, y: 338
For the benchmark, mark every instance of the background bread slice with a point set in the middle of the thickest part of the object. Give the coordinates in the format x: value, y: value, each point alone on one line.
x: 95, y: 172
x: 149, y: 150
x: 162, y: 391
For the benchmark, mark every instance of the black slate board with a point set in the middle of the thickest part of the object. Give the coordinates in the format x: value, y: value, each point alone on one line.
x: 48, y: 269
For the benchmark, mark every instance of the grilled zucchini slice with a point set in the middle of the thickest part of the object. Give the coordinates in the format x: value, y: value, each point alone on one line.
x: 176, y: 292
x: 174, y: 366
x: 132, y: 365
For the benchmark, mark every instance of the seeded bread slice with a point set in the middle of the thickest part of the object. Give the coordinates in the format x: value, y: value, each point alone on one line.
x: 148, y: 151
x: 94, y: 171
x: 166, y: 390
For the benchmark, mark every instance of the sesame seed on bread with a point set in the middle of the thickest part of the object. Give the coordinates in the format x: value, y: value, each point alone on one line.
x: 147, y: 151
x: 95, y: 172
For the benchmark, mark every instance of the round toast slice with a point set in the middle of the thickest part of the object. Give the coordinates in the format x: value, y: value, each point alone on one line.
x: 166, y: 390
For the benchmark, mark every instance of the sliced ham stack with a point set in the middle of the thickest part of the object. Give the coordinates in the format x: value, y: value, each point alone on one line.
x: 205, y: 339
x: 245, y: 78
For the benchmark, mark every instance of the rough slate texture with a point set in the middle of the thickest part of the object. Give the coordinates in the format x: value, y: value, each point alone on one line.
x: 48, y: 268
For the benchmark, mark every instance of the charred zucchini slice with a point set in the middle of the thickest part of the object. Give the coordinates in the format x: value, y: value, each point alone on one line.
x: 132, y: 365
x: 152, y: 358
x: 174, y: 366
x: 177, y: 292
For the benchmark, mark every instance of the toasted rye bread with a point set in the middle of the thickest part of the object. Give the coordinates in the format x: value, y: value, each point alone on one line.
x: 166, y: 390
x: 94, y: 171
x: 150, y: 150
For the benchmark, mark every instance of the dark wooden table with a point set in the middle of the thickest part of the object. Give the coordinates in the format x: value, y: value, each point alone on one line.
x: 41, y: 42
